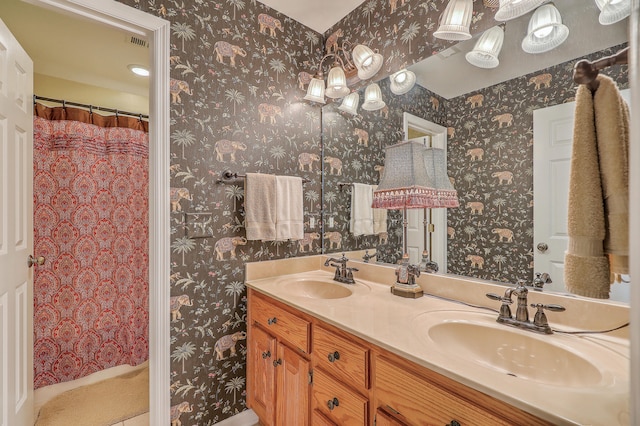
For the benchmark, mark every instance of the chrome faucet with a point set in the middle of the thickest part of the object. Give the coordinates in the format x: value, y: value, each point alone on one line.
x: 521, y: 319
x: 343, y: 273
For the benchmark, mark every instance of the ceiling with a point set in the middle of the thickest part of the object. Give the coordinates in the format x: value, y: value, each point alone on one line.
x: 76, y: 49
x: 315, y: 14
x: 449, y: 74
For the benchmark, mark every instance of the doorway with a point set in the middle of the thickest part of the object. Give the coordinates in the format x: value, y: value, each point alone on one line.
x: 156, y: 31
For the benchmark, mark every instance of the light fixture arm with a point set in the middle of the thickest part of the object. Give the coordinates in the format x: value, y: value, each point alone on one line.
x: 320, y: 72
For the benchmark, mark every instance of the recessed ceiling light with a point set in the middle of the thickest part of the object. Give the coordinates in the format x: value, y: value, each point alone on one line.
x: 138, y: 70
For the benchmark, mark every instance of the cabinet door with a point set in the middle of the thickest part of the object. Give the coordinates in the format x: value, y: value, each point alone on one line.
x: 292, y: 374
x: 384, y: 419
x: 261, y: 373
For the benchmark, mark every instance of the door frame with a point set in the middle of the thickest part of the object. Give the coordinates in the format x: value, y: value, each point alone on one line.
x: 157, y: 31
x: 438, y: 135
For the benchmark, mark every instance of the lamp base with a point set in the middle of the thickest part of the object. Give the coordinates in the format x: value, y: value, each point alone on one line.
x: 410, y: 292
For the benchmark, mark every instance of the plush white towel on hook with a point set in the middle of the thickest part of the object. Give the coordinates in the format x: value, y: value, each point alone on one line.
x: 379, y: 217
x: 289, y: 208
x: 361, y: 211
x: 260, y: 206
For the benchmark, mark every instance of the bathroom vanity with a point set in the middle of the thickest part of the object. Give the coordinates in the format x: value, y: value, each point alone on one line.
x: 326, y: 353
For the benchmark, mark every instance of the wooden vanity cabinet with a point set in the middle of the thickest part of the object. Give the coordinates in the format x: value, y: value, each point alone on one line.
x: 278, y: 366
x: 353, y: 381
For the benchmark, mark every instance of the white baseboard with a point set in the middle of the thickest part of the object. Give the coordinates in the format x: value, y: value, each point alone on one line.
x: 246, y: 418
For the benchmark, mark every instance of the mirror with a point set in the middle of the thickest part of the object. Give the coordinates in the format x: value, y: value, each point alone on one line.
x: 489, y: 119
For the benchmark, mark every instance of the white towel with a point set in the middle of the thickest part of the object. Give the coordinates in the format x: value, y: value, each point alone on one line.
x: 260, y: 207
x: 379, y: 217
x: 289, y: 208
x: 361, y: 211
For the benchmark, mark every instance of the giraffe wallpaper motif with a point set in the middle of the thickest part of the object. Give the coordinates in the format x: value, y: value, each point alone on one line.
x: 239, y: 72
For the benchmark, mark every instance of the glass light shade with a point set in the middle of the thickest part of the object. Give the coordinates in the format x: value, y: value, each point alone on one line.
x: 455, y: 21
x: 510, y: 9
x: 336, y: 83
x: 373, y: 98
x: 366, y: 61
x: 545, y: 31
x: 315, y: 91
x: 402, y: 82
x: 350, y: 103
x: 485, y: 52
x: 612, y: 11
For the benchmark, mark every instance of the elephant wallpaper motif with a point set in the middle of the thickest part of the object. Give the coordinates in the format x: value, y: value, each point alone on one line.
x: 236, y: 104
x: 490, y: 158
x: 239, y: 72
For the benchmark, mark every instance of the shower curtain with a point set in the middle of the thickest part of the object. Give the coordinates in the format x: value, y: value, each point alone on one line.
x: 91, y: 225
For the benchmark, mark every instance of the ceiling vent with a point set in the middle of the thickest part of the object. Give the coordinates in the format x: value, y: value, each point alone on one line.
x: 137, y: 41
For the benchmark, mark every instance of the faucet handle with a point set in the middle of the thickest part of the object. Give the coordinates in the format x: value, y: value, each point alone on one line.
x: 494, y: 296
x: 540, y: 319
x: 549, y: 307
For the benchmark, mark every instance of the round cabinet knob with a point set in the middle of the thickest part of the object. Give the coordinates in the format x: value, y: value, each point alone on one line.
x: 266, y: 354
x: 454, y: 423
x: 277, y: 362
x: 273, y: 320
x: 542, y: 247
x: 333, y: 403
x: 334, y: 356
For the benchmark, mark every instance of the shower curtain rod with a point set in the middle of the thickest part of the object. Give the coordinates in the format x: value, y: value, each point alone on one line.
x: 90, y: 107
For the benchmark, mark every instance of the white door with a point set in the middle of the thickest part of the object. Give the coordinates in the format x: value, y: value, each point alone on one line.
x: 16, y: 232
x: 552, y: 139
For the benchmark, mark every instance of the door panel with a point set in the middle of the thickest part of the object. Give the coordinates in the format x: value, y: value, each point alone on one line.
x: 16, y: 232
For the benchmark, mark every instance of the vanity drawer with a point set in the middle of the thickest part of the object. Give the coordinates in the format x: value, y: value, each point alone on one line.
x: 318, y: 419
x: 280, y: 322
x: 343, y: 358
x: 339, y: 404
x: 420, y: 402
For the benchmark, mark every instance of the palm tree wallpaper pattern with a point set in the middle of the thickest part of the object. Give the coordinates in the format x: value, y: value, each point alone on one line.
x: 236, y: 95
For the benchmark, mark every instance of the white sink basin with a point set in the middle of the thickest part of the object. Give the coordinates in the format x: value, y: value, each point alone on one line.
x: 316, y: 289
x: 556, y: 360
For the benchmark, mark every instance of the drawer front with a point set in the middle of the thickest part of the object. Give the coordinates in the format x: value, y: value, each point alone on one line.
x: 422, y: 403
x: 281, y: 323
x: 338, y: 403
x: 343, y: 358
x: 318, y: 419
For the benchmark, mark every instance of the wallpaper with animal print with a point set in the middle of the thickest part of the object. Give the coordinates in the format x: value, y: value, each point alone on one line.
x: 490, y: 157
x: 236, y: 104
x: 239, y: 71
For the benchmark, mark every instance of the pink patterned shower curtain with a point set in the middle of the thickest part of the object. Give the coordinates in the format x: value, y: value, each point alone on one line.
x: 91, y: 224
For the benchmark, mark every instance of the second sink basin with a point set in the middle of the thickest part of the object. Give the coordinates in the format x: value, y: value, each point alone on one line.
x: 557, y: 360
x: 316, y: 289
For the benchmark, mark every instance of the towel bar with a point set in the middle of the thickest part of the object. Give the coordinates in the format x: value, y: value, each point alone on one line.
x: 233, y: 177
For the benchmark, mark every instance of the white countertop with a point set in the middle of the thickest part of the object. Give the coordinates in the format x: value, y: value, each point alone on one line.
x: 398, y: 325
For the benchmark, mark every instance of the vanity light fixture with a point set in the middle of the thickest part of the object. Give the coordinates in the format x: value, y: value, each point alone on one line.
x: 612, y: 11
x: 510, y: 9
x: 138, y: 70
x: 402, y: 81
x: 487, y: 48
x: 361, y: 64
x: 546, y: 30
x: 366, y: 61
x: 373, y: 98
x: 350, y: 103
x: 455, y: 21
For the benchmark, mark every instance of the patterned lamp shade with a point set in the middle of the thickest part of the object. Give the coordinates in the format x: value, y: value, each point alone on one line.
x: 612, y: 11
x: 487, y: 48
x: 455, y: 21
x: 435, y: 160
x: 546, y: 30
x: 406, y: 183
